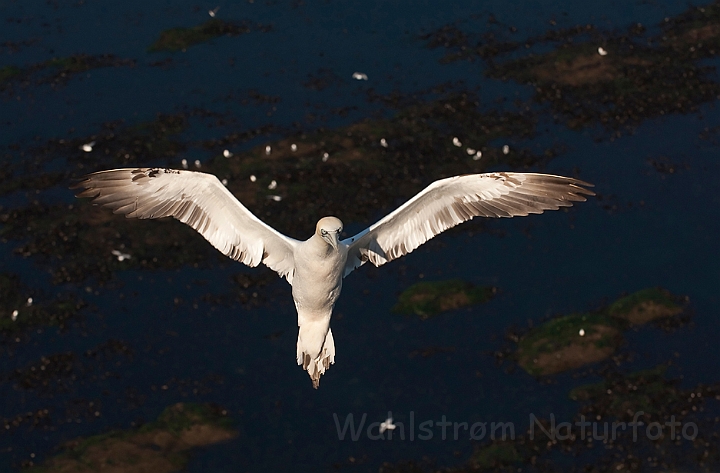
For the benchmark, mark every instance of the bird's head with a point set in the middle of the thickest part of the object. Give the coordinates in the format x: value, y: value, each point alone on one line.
x: 329, y: 229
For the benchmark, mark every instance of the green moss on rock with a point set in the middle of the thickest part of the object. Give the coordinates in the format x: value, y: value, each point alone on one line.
x: 177, y: 39
x: 568, y: 342
x: 8, y: 72
x: 558, y: 345
x: 180, y: 417
x: 644, y: 306
x: 427, y: 299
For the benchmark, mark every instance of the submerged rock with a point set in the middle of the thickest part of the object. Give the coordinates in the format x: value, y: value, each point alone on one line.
x: 79, y: 241
x: 117, y: 144
x: 645, y: 391
x: 289, y: 182
x: 617, y: 422
x: 59, y: 372
x: 22, y: 308
x: 592, y: 78
x: 159, y: 447
x: 311, y: 170
x: 495, y: 455
x: 8, y: 72
x: 426, y: 299
x: 58, y: 70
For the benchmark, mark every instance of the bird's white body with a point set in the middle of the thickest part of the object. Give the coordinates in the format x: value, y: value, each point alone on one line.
x: 315, y: 268
x: 319, y: 270
x: 316, y: 286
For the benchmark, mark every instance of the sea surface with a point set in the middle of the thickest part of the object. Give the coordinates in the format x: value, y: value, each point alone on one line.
x: 178, y: 327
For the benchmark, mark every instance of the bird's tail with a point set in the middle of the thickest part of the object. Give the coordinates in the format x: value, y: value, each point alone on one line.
x: 315, y: 361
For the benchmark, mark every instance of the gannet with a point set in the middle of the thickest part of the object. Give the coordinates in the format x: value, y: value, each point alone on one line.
x: 315, y: 268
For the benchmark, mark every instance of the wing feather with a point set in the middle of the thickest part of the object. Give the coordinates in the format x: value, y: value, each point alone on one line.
x: 199, y: 200
x: 449, y: 202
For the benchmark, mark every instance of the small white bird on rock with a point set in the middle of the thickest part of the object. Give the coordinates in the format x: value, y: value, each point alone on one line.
x: 315, y: 268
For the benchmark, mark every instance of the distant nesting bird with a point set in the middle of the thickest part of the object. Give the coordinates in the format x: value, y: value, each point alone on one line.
x: 315, y: 268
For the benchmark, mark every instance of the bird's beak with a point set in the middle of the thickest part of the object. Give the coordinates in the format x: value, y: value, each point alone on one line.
x: 333, y: 240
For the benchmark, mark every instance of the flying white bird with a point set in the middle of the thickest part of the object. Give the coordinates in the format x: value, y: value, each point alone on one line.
x: 387, y: 425
x: 315, y: 268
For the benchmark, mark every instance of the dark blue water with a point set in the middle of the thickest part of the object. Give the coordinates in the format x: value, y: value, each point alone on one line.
x: 663, y: 232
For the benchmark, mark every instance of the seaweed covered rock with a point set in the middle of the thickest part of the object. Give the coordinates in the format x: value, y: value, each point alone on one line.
x: 426, y: 299
x: 611, y: 79
x: 617, y: 395
x: 58, y: 70
x: 568, y: 342
x: 645, y: 306
x: 571, y: 341
x: 159, y: 447
x: 177, y: 39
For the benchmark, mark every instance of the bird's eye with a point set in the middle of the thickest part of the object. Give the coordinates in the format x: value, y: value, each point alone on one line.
x: 339, y: 230
x: 323, y: 232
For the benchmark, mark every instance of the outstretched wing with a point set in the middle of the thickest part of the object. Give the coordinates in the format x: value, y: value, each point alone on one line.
x: 199, y: 200
x: 449, y: 202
